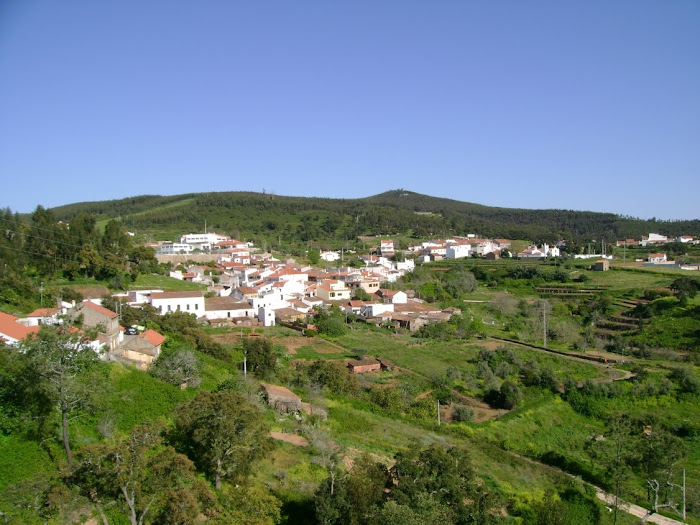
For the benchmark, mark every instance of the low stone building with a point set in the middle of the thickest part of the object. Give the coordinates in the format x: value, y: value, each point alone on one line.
x: 360, y: 366
x: 281, y: 398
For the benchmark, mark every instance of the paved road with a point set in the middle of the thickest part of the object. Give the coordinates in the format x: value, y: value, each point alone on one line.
x: 636, y: 510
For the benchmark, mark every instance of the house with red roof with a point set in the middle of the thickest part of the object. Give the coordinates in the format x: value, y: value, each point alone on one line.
x: 141, y: 349
x: 43, y: 316
x: 12, y: 332
x: 332, y: 290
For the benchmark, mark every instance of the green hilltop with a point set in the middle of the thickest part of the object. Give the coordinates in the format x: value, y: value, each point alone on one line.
x: 261, y: 216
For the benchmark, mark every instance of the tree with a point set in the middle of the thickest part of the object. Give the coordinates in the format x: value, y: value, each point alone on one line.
x: 177, y: 368
x: 314, y: 256
x: 144, y: 475
x: 441, y: 480
x: 58, y: 360
x: 615, y: 454
x: 223, y: 433
x: 354, y: 497
x: 260, y: 356
x: 685, y: 288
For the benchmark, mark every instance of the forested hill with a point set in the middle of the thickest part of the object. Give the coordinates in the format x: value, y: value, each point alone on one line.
x: 260, y: 216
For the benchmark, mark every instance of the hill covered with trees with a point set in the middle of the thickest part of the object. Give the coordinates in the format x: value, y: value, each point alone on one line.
x: 271, y: 217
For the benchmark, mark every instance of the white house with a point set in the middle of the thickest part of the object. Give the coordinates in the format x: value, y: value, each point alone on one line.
x: 171, y: 248
x: 653, y: 238
x: 375, y: 309
x: 386, y: 247
x: 406, y: 266
x: 458, y: 251
x: 657, y: 257
x: 49, y: 316
x: 392, y: 296
x: 266, y: 316
x: 227, y: 308
x: 332, y: 290
x: 190, y: 302
x: 330, y: 256
x: 531, y: 253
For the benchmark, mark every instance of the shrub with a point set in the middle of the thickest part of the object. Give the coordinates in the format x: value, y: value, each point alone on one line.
x: 463, y: 414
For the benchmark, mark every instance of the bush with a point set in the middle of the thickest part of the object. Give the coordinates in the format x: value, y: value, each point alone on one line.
x: 463, y: 413
x: 177, y: 368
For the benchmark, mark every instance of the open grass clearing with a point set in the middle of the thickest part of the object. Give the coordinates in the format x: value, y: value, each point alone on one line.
x: 163, y: 282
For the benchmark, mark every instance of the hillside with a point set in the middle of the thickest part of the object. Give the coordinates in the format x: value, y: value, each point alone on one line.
x: 263, y: 216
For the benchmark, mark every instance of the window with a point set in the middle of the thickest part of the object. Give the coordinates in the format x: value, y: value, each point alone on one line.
x: 169, y: 308
x: 178, y: 307
x: 196, y: 306
x: 188, y: 306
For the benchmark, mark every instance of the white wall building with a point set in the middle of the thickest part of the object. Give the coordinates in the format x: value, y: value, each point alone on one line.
x: 190, y: 302
x: 172, y: 248
x: 458, y: 251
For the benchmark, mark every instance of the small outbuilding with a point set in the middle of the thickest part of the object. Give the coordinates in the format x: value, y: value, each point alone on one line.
x: 601, y: 265
x: 360, y: 366
x: 281, y: 399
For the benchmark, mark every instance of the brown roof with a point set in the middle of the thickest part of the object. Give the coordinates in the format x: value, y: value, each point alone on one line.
x: 363, y: 362
x: 415, y: 307
x: 224, y: 303
x: 176, y: 295
x: 279, y: 391
x: 153, y: 337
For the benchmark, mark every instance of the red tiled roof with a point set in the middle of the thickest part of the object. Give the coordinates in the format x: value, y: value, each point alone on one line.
x: 100, y: 309
x: 44, y: 312
x: 153, y: 337
x: 11, y: 328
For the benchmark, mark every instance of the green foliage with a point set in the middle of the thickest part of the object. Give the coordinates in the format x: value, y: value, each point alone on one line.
x: 330, y: 323
x: 304, y: 219
x: 223, y: 433
x: 143, y: 476
x: 177, y: 368
x: 261, y: 356
x: 353, y: 498
x: 333, y: 376
x: 508, y: 396
x: 247, y: 505
x: 463, y: 414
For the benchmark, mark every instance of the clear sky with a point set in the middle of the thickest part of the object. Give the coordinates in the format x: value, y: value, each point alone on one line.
x: 589, y: 105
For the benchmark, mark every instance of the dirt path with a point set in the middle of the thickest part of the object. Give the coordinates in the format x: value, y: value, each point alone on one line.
x: 294, y: 439
x: 636, y: 510
x: 625, y: 374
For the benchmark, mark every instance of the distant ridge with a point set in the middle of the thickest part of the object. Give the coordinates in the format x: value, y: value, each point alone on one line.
x: 261, y: 215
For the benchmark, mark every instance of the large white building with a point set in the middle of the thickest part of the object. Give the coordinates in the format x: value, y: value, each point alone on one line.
x: 203, y: 241
x: 458, y: 251
x: 190, y: 302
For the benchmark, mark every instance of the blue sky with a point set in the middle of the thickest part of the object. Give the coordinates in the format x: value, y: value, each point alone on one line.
x: 577, y: 105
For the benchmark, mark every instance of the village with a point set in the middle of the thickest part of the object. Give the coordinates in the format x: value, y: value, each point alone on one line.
x: 242, y: 286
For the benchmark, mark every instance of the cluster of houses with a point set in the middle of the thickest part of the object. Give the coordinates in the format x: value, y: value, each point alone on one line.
x: 458, y: 248
x: 655, y: 238
x: 112, y: 340
x: 286, y: 292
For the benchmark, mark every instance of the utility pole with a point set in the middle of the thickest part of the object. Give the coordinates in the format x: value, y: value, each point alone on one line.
x: 544, y: 323
x: 438, y: 410
x: 41, y: 294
